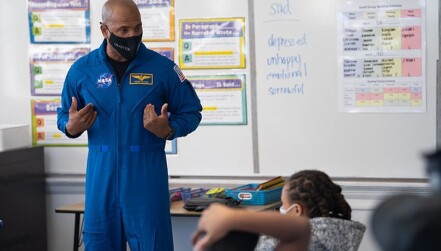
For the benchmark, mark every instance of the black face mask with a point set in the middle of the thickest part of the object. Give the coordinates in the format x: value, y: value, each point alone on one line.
x: 127, y: 47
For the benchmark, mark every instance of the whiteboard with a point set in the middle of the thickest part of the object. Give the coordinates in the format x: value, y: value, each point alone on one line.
x: 304, y: 129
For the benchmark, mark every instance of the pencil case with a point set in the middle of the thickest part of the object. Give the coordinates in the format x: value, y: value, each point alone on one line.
x: 249, y: 196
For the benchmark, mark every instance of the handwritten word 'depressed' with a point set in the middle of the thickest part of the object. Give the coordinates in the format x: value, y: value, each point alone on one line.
x: 284, y: 42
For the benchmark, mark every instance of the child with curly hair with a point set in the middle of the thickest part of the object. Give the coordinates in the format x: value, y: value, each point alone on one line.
x: 314, y: 216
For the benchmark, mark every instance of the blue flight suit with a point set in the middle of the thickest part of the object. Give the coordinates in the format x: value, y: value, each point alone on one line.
x: 126, y: 178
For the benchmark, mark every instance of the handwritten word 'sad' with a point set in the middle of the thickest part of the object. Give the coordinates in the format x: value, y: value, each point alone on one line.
x: 280, y: 8
x: 285, y: 64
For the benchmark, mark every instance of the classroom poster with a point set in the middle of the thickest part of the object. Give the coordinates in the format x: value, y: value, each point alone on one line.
x: 382, y: 56
x: 44, y: 125
x: 167, y: 52
x: 215, y: 43
x: 45, y: 131
x: 49, y: 65
x: 158, y: 20
x: 59, y: 21
x: 222, y: 98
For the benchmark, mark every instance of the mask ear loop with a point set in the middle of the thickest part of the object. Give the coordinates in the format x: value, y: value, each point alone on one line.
x: 285, y: 211
x: 291, y: 207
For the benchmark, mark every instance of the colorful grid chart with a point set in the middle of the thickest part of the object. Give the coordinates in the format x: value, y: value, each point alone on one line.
x: 382, y: 14
x: 376, y: 36
x: 383, y: 94
x: 382, y: 67
x: 382, y: 57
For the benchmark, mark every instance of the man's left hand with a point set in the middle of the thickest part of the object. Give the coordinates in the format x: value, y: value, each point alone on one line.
x: 157, y: 125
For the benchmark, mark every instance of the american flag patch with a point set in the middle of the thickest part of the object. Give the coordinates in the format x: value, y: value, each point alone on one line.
x: 179, y: 72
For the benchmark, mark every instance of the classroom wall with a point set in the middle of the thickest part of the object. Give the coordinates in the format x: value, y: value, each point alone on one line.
x: 65, y: 182
x: 283, y: 133
x: 14, y: 75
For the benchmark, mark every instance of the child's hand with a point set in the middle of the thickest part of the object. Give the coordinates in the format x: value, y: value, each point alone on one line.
x: 213, y: 225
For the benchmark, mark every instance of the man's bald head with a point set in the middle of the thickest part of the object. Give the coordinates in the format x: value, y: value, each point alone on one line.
x: 127, y: 6
x: 121, y: 21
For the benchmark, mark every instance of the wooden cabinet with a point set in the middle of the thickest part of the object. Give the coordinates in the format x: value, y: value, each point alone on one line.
x: 23, y: 200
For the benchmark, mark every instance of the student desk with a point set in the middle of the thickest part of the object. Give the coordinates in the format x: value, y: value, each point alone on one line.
x: 176, y: 209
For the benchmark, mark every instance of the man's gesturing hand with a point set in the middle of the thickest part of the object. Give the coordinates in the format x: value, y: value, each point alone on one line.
x: 80, y: 120
x: 157, y: 125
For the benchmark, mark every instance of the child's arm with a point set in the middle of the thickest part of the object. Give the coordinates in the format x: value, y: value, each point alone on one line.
x: 216, y: 221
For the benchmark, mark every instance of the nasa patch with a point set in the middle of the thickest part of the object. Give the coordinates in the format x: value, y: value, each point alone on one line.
x: 104, y: 81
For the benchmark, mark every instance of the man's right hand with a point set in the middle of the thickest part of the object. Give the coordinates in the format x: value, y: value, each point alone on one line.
x: 80, y: 120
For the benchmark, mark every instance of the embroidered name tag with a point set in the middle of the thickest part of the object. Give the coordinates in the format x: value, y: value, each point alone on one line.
x: 141, y: 79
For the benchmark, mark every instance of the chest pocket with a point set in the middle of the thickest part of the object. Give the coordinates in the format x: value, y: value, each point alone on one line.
x: 138, y: 96
x: 102, y: 102
x: 144, y: 95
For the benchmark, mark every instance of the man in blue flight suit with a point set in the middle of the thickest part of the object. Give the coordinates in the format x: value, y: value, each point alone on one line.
x: 130, y: 100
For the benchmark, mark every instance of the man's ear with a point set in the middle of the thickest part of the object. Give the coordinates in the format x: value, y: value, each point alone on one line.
x: 104, y: 30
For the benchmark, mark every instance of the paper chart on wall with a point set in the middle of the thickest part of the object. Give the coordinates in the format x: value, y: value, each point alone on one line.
x: 382, y: 56
x: 49, y: 65
x: 212, y: 43
x: 167, y: 52
x: 44, y: 125
x: 59, y: 21
x: 157, y: 20
x: 222, y: 97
